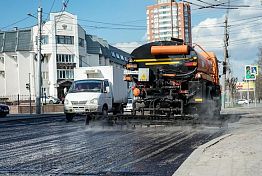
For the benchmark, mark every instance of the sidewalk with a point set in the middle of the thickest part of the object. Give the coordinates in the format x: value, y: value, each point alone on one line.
x: 238, y: 153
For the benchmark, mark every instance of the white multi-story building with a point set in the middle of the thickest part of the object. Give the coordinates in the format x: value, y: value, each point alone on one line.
x: 65, y: 46
x: 168, y: 19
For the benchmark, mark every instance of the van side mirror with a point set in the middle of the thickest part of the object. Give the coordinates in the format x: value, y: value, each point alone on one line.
x: 107, y: 89
x: 65, y: 91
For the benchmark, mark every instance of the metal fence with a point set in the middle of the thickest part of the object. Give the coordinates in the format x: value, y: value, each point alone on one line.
x: 16, y: 99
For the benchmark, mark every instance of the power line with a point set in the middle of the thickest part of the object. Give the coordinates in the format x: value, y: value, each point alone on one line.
x: 246, y: 38
x: 117, y: 28
x: 120, y: 24
x: 50, y: 9
x: 23, y: 19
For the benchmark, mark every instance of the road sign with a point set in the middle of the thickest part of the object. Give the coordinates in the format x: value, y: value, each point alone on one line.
x: 254, y: 69
x: 143, y: 74
x: 250, y: 72
x: 245, y: 86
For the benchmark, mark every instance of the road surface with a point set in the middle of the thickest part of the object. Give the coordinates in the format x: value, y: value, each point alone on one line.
x: 51, y: 146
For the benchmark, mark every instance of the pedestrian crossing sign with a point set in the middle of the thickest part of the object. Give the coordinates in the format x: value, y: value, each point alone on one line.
x: 251, y: 71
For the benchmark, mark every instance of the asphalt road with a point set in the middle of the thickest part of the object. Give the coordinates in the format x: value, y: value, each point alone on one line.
x: 51, y: 146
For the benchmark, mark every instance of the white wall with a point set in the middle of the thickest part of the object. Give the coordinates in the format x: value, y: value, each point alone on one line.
x: 59, y: 24
x: 11, y: 74
x: 2, y: 76
x: 24, y: 61
x: 93, y: 59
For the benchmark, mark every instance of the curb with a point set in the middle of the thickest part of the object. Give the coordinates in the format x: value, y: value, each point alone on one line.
x: 16, y: 117
x: 185, y: 168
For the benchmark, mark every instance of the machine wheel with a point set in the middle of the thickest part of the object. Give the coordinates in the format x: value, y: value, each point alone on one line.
x: 51, y: 102
x: 121, y: 109
x: 69, y: 117
x: 104, y: 111
x: 133, y: 112
x: 3, y: 115
x: 118, y: 110
x: 88, y: 118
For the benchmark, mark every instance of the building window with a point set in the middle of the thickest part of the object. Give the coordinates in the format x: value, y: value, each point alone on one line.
x: 117, y: 56
x: 45, y: 75
x: 65, y: 58
x: 44, y: 39
x: 65, y: 74
x: 113, y: 54
x: 2, y: 59
x: 81, y: 61
x: 81, y: 42
x: 62, y: 39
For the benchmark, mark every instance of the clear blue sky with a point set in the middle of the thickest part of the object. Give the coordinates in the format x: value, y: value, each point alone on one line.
x: 124, y: 12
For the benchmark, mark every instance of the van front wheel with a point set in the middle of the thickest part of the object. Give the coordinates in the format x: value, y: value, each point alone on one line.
x: 69, y: 117
x: 104, y: 111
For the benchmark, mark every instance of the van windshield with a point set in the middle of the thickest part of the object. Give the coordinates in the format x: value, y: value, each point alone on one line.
x: 86, y: 86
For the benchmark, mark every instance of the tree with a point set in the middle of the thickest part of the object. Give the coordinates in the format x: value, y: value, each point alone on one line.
x: 231, y: 84
x: 259, y: 76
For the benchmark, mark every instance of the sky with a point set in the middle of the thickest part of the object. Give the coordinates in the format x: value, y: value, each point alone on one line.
x: 123, y: 23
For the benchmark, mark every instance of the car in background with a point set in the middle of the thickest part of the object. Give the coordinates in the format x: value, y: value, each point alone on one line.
x: 50, y: 100
x: 4, y: 110
x: 129, y: 105
x: 242, y: 101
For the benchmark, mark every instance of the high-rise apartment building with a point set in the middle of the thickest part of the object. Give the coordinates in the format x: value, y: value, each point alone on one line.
x: 168, y: 19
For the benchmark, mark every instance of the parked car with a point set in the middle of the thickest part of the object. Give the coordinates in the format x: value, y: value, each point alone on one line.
x: 242, y: 101
x: 4, y: 110
x: 129, y: 105
x: 50, y: 100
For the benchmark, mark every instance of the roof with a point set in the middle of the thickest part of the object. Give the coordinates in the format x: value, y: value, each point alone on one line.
x: 96, y: 45
x: 18, y: 40
x: 21, y: 40
x: 92, y: 46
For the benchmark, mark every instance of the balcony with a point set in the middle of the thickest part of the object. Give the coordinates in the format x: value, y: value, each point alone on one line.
x: 66, y: 65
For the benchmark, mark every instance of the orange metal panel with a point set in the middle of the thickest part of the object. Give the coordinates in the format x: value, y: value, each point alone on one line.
x: 180, y: 49
x: 211, y: 57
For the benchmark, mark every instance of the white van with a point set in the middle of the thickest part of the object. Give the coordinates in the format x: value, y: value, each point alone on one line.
x: 96, y: 90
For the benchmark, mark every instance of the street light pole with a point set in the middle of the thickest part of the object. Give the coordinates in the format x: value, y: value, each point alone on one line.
x: 39, y: 72
x: 30, y: 104
x: 171, y: 7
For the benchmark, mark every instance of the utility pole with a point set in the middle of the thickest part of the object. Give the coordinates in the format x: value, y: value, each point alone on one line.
x: 225, y: 63
x: 39, y: 72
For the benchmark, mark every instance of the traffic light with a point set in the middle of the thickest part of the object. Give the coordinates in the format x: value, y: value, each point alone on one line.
x: 27, y: 85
